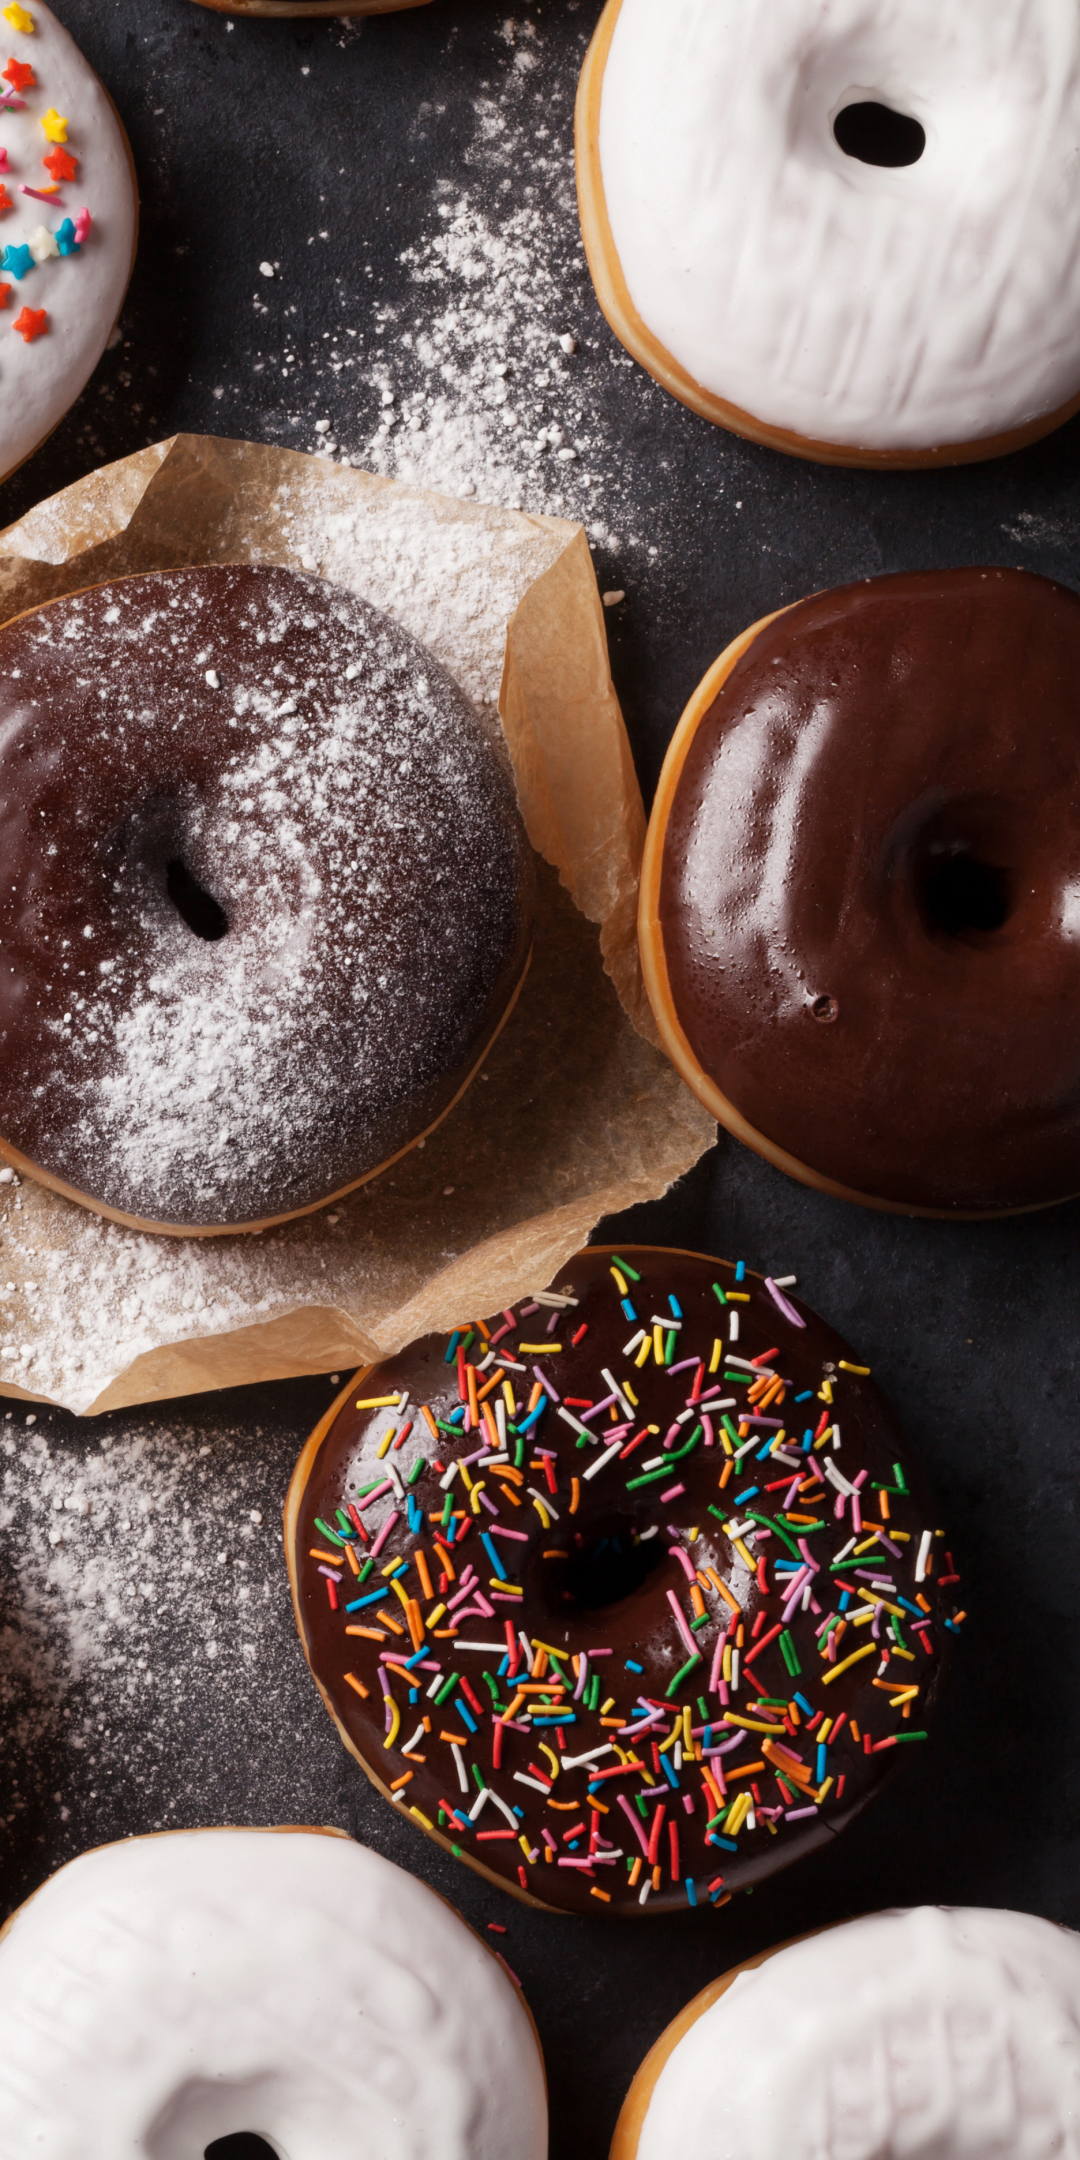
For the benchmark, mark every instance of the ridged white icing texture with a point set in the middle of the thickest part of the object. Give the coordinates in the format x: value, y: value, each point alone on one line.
x: 892, y: 309
x: 924, y: 2035
x: 81, y: 293
x: 160, y: 1994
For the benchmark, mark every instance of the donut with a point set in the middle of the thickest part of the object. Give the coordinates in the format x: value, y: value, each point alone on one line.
x: 266, y: 900
x: 68, y: 222
x: 283, y: 1986
x: 848, y: 232
x: 943, y: 2032
x: 709, y: 1663
x: 858, y: 904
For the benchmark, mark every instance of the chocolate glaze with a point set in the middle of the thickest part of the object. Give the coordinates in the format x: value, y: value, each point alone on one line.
x: 265, y: 893
x: 870, y: 890
x: 612, y: 1602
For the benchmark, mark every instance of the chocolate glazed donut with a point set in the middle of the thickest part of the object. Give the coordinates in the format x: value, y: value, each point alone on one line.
x: 860, y: 905
x: 631, y: 1595
x: 265, y: 898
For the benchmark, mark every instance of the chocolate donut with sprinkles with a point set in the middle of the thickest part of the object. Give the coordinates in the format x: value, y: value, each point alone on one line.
x: 628, y: 1596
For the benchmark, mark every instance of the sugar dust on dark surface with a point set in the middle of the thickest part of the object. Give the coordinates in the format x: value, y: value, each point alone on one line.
x: 361, y: 239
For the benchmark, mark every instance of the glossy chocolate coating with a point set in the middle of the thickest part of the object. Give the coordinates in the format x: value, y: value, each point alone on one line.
x: 265, y: 894
x: 582, y: 1595
x: 870, y: 890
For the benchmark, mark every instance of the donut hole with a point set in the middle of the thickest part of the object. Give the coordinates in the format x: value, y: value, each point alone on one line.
x: 875, y: 134
x: 201, y: 912
x: 242, y: 2145
x: 963, y: 897
x: 605, y: 1566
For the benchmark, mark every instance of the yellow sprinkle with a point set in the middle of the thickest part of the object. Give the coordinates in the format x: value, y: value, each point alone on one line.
x: 658, y: 1343
x: 435, y: 1617
x: 403, y: 1594
x: 606, y: 1706
x: 525, y: 1846
x: 745, y: 1554
x: 508, y: 1398
x: 738, y: 1297
x: 645, y: 1352
x: 624, y: 1290
x: 825, y: 1391
x: 542, y: 1512
x: 474, y: 1498
x: 868, y: 1650
x: 897, y: 1652
x: 862, y: 1370
x: 822, y: 1790
x: 495, y: 1584
x: 19, y: 19
x: 395, y: 1724
x: 826, y: 1436
x: 385, y: 1442
x: 629, y: 1393
x: 378, y: 1402
x: 425, y: 1819
x: 754, y: 1724
x: 551, y: 1756
x: 540, y: 1349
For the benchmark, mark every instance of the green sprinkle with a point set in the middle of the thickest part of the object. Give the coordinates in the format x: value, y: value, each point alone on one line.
x: 447, y: 1512
x: 626, y: 1268
x: 791, y: 1655
x: 741, y: 1379
x: 718, y: 1512
x: 492, y: 1687
x: 901, y: 1486
x: 641, y: 1807
x: 669, y: 1350
x: 702, y: 1621
x: 767, y: 1523
x: 327, y: 1532
x: 345, y: 1523
x: 446, y: 1689
x: 478, y: 1775
x: 681, y: 1674
x: 365, y: 1571
x: 719, y: 1293
x: 456, y: 1850
x: 902, y: 1736
x: 729, y: 1429
x: 363, y: 1490
x: 519, y: 1452
x: 418, y: 1469
x: 702, y: 1712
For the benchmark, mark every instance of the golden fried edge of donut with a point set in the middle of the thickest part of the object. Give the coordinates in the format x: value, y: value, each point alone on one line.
x: 279, y: 1830
x: 635, y: 2107
x: 616, y: 304
x: 136, y: 207
x: 29, y: 1169
x: 658, y: 985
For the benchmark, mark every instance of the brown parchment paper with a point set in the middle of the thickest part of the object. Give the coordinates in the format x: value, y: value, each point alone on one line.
x: 577, y: 1112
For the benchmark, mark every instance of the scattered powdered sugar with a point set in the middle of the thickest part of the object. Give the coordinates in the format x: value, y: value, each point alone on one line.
x: 148, y: 1659
x: 332, y: 791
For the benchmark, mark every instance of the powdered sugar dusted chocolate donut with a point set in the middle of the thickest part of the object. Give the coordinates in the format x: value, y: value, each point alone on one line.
x: 943, y: 2032
x: 848, y: 231
x: 68, y: 215
x: 630, y: 1595
x: 162, y: 1994
x: 266, y: 894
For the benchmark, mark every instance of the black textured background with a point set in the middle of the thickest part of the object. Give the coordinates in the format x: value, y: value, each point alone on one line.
x: 971, y: 1329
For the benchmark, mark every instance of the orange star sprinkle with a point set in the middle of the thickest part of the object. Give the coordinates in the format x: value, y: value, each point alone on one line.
x: 61, y: 164
x: 5, y: 199
x: 5, y: 295
x: 32, y: 323
x: 19, y: 75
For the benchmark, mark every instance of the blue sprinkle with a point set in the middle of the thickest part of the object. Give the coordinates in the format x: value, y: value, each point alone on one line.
x: 808, y: 1439
x: 17, y: 261
x: 740, y: 1276
x: 787, y: 1567
x: 456, y: 1415
x: 414, y: 1695
x: 372, y: 1598
x: 767, y: 1449
x: 463, y: 1713
x: 417, y: 1656
x: 845, y: 1600
x: 819, y: 1775
x: 631, y: 1666
x: 675, y: 1306
x: 742, y: 1497
x: 691, y: 1892
x: 726, y: 1844
x: 451, y: 1348
x: 520, y: 1813
x: 919, y: 1615
x: 706, y: 1738
x: 573, y: 1845
x: 806, y: 1396
x: 485, y: 1540
x: 570, y: 1718
x: 534, y: 1416
x: 628, y: 1309
x: 503, y: 1669
x: 803, y: 1704
x: 65, y: 239
x: 669, y: 1773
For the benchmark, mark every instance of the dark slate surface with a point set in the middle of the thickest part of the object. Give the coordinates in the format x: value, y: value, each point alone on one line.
x: 971, y: 1329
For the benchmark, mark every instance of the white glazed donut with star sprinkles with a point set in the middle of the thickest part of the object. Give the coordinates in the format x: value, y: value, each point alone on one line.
x: 68, y: 220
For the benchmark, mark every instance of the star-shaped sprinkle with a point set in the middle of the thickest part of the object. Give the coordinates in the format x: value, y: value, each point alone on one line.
x: 32, y: 323
x: 5, y: 295
x: 19, y: 75
x: 61, y: 164
x: 42, y: 243
x: 65, y: 238
x: 55, y: 125
x: 5, y: 199
x: 19, y: 18
x: 17, y: 260
x: 82, y: 227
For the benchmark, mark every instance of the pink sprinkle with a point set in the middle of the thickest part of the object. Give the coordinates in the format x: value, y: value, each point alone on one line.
x: 527, y: 1309
x: 706, y: 1426
x: 673, y: 1492
x: 633, y: 1820
x: 519, y: 1536
x: 82, y: 232
x: 681, y: 1623
x: 782, y: 1305
x: 4, y: 166
x: 48, y: 195
x: 717, y: 1663
x: 393, y: 1517
x: 799, y: 1814
x: 685, y: 1562
x: 371, y: 1497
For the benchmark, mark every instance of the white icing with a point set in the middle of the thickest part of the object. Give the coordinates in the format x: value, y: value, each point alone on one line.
x: 160, y: 1994
x: 925, y: 2035
x: 894, y: 309
x: 81, y: 293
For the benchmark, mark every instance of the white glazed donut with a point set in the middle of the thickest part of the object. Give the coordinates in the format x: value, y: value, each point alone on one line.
x: 928, y: 2035
x: 159, y: 1995
x: 63, y: 272
x: 860, y: 313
